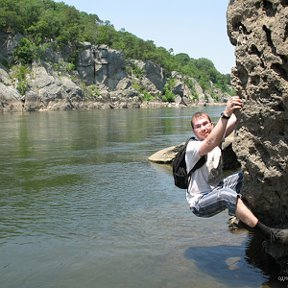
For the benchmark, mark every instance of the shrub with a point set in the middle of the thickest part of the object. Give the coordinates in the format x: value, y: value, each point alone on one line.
x: 19, y: 74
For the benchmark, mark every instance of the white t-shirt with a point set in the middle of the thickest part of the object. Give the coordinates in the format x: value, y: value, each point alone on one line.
x: 206, y: 177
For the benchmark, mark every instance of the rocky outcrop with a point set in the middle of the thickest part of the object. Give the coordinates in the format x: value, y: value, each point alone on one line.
x: 258, y: 29
x: 50, y: 91
x: 8, y: 44
x: 101, y: 65
x: 102, y: 78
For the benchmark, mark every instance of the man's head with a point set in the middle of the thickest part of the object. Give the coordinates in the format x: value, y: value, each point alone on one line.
x: 201, y: 125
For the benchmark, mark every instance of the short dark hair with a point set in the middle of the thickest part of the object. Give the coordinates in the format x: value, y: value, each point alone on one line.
x: 199, y: 115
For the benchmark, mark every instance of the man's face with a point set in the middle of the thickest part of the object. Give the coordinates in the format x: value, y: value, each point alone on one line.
x: 202, y: 127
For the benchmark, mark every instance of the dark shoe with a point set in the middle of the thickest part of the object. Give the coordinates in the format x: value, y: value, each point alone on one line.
x: 279, y: 236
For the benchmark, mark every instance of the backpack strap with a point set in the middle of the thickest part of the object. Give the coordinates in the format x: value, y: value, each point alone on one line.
x: 200, y: 162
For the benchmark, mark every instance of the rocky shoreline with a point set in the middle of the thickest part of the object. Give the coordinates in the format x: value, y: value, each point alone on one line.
x: 102, y: 78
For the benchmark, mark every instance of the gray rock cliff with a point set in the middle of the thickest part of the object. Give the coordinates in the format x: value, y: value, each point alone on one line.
x: 258, y: 30
x: 102, y: 78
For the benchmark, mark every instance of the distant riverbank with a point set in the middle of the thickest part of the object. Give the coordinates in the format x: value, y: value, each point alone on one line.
x: 101, y: 105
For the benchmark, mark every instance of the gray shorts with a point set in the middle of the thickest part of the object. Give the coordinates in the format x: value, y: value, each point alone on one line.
x: 222, y: 197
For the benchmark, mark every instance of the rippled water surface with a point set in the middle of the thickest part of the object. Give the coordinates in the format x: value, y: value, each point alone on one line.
x: 81, y: 206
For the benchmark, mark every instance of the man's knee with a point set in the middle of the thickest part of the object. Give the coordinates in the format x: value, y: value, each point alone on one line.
x: 230, y: 198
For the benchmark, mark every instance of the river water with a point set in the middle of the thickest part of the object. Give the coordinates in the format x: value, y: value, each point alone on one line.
x: 81, y: 206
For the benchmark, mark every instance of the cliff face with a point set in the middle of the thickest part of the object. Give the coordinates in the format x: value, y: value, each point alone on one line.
x: 101, y: 78
x: 259, y: 29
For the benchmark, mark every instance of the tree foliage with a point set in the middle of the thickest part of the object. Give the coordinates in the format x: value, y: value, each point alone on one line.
x: 45, y: 22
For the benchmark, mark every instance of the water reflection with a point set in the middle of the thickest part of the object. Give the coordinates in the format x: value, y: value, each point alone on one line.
x: 226, y: 264
x: 272, y: 259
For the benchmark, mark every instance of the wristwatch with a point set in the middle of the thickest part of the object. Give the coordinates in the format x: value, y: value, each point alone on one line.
x: 224, y: 116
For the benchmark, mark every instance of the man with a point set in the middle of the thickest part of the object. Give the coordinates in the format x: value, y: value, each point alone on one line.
x: 207, y: 193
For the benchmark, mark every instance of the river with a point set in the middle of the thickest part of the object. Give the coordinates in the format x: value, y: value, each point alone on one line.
x: 81, y: 206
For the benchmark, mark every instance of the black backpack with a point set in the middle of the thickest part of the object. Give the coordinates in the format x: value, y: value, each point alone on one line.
x: 181, y: 177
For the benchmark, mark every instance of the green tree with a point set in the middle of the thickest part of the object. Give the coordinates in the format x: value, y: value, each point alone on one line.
x: 25, y: 52
x: 169, y: 96
x: 10, y: 18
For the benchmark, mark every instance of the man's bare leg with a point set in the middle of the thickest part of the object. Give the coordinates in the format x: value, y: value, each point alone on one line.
x: 246, y: 216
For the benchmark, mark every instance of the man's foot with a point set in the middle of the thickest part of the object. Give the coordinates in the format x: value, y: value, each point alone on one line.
x: 279, y: 236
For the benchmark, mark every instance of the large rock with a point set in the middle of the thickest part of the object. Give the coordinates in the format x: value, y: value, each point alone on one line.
x: 10, y: 99
x: 153, y: 75
x: 8, y: 43
x: 49, y: 91
x: 100, y: 64
x: 167, y: 155
x: 258, y: 29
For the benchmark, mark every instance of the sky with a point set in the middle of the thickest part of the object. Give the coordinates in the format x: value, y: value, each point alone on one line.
x: 195, y: 27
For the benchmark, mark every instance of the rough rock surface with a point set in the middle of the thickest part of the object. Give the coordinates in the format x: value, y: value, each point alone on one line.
x: 259, y: 30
